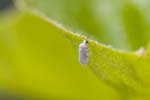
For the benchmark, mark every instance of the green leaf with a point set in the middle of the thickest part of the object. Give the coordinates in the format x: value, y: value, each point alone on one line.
x: 125, y: 72
x: 39, y: 60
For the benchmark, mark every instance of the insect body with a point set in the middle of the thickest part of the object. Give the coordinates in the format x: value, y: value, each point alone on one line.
x: 83, y: 53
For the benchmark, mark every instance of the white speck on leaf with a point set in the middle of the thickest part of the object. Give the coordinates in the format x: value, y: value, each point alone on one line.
x: 140, y: 51
x: 83, y: 59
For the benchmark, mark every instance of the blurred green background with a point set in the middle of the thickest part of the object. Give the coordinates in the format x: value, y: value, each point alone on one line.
x: 36, y: 62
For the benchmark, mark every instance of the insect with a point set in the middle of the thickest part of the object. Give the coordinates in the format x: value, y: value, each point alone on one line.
x: 83, y: 59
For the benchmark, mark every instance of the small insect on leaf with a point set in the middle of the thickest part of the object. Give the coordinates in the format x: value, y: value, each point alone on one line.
x: 83, y: 58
